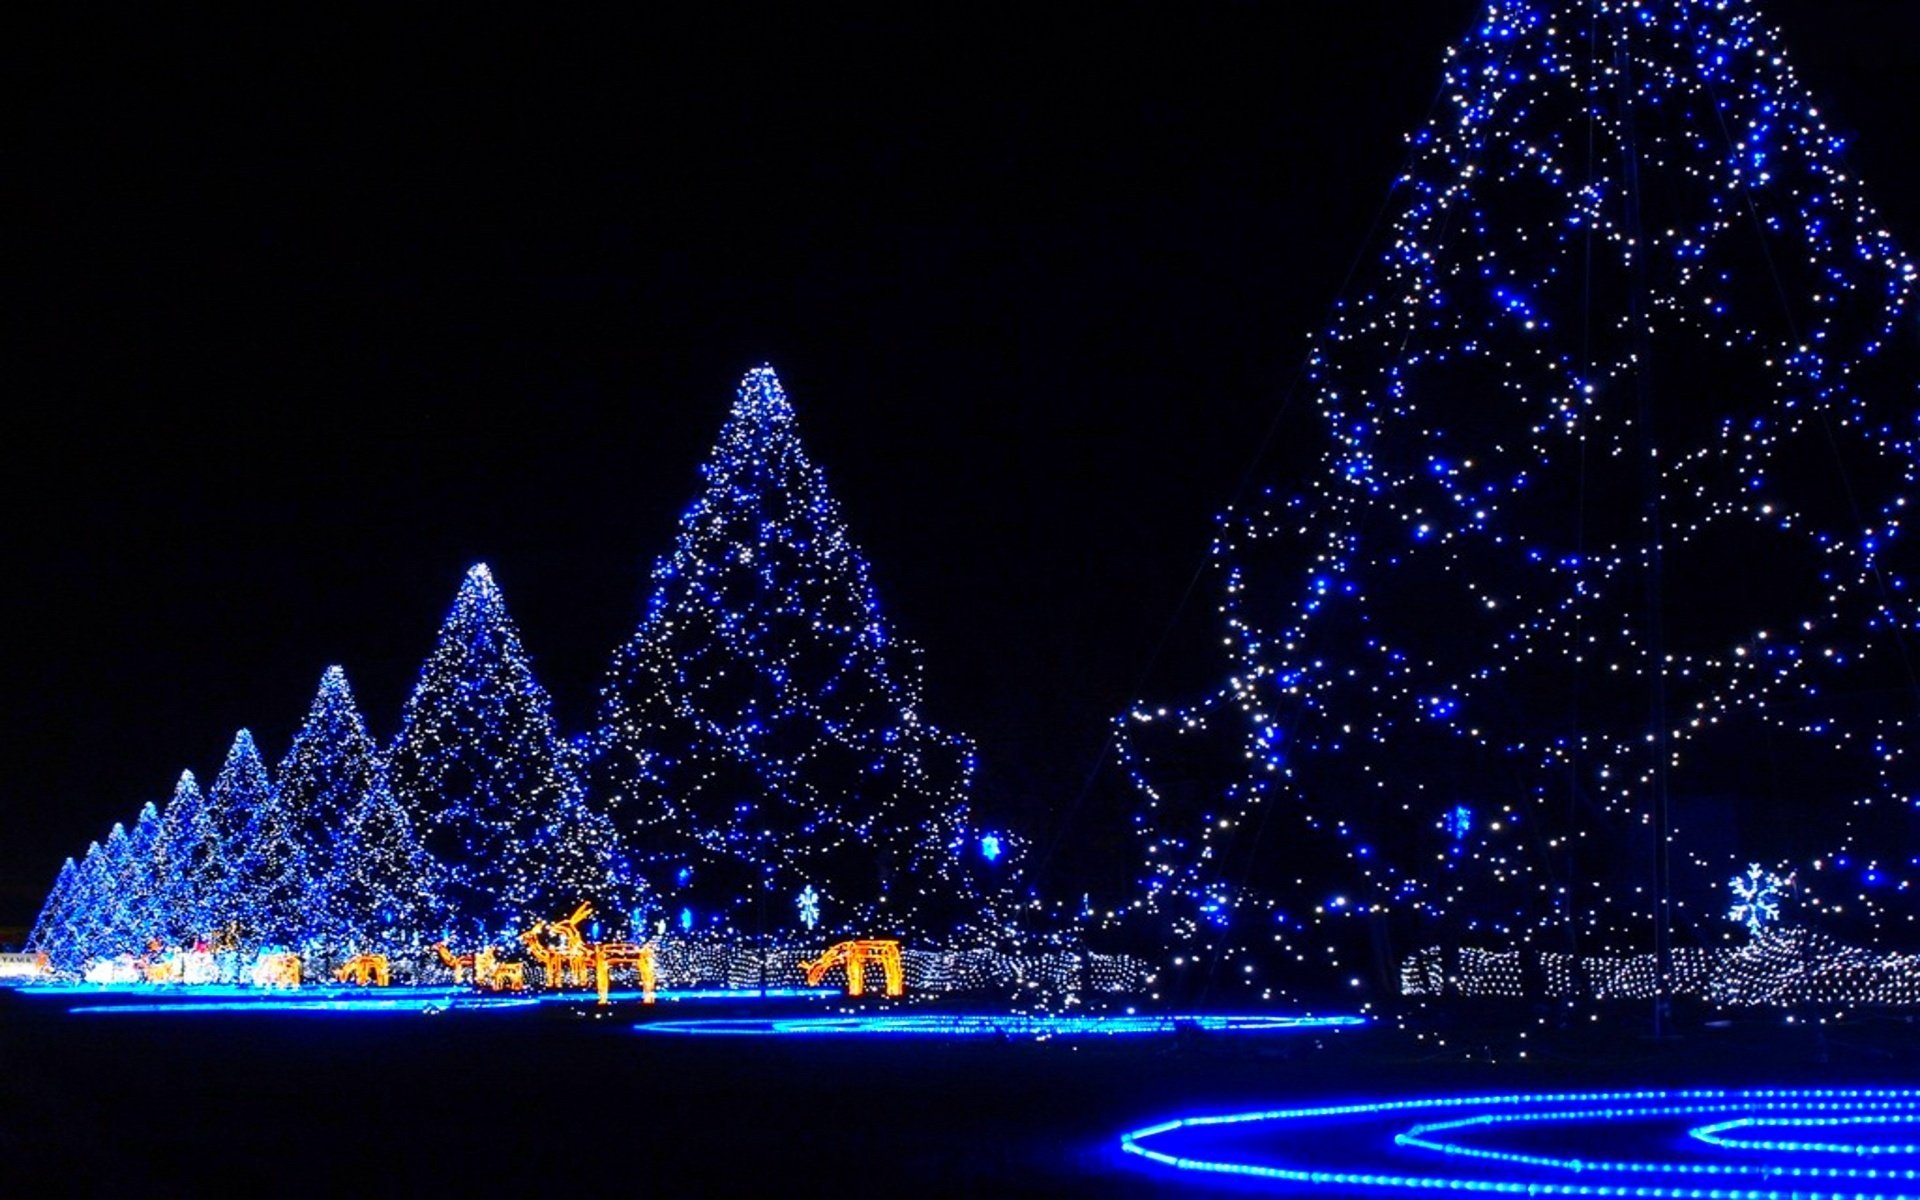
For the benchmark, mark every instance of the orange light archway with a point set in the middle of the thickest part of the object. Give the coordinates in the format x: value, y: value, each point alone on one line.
x: 856, y: 956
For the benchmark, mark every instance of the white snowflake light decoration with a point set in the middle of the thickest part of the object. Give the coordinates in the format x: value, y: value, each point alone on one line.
x: 1758, y: 895
x: 808, y: 901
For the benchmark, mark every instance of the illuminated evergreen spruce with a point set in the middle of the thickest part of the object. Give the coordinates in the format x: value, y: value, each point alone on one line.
x: 482, y: 773
x: 1607, y: 541
x: 143, y: 873
x: 761, y: 732
x: 53, y: 930
x: 368, y: 880
x: 114, y: 895
x: 190, y: 874
x: 266, y: 892
x: 92, y: 904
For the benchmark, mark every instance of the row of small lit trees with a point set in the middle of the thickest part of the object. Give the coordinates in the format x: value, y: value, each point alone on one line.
x: 760, y: 768
x: 320, y: 855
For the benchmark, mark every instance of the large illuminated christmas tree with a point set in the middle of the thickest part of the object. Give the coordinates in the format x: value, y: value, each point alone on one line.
x: 762, y: 738
x: 482, y: 772
x: 188, y: 873
x: 1602, y: 586
x: 116, y: 897
x: 384, y: 886
x: 267, y: 876
x: 368, y: 879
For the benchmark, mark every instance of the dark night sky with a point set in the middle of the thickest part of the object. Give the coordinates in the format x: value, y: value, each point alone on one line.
x: 309, y: 317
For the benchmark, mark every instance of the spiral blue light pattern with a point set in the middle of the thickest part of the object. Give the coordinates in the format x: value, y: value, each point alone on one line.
x: 1625, y: 1143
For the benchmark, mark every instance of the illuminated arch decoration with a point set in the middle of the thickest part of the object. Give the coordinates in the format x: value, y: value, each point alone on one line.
x: 608, y: 955
x: 856, y: 956
x: 1834, y: 1142
x: 364, y: 970
x: 1001, y: 1025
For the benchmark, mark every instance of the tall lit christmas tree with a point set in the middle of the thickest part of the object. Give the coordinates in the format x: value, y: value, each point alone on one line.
x: 86, y: 925
x: 762, y: 739
x: 116, y: 897
x: 325, y: 776
x: 1602, y: 586
x: 267, y: 890
x: 145, y: 873
x: 384, y: 886
x: 481, y: 771
x: 53, y: 930
x: 191, y: 876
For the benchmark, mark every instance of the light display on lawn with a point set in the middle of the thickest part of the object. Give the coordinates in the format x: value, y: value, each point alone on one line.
x: 762, y: 729
x: 763, y: 745
x: 1602, y: 587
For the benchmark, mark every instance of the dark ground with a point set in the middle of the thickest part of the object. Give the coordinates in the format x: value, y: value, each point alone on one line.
x: 560, y: 1102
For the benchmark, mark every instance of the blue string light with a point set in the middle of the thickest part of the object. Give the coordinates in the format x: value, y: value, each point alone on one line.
x: 1351, y: 1145
x: 956, y: 1025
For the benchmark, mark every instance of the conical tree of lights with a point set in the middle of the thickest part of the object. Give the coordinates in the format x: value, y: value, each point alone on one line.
x: 370, y: 880
x: 53, y: 931
x: 119, y: 897
x: 480, y: 769
x: 89, y: 909
x: 762, y: 731
x: 188, y: 874
x: 1603, y: 586
x: 146, y: 875
x: 240, y: 791
x: 277, y: 893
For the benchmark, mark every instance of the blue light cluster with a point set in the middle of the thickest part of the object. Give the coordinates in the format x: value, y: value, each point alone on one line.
x: 1365, y: 1145
x: 1002, y: 1025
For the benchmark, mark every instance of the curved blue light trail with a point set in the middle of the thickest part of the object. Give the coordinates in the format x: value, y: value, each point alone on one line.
x: 1615, y: 1144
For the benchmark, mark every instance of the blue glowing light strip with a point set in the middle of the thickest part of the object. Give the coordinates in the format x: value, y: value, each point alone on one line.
x: 1648, y: 1183
x: 678, y: 994
x: 414, y: 1004
x: 997, y: 1025
x: 1713, y: 1134
x: 1419, y: 1136
x: 189, y: 992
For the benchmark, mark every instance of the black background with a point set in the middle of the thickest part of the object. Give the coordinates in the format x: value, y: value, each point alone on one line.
x: 309, y: 315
